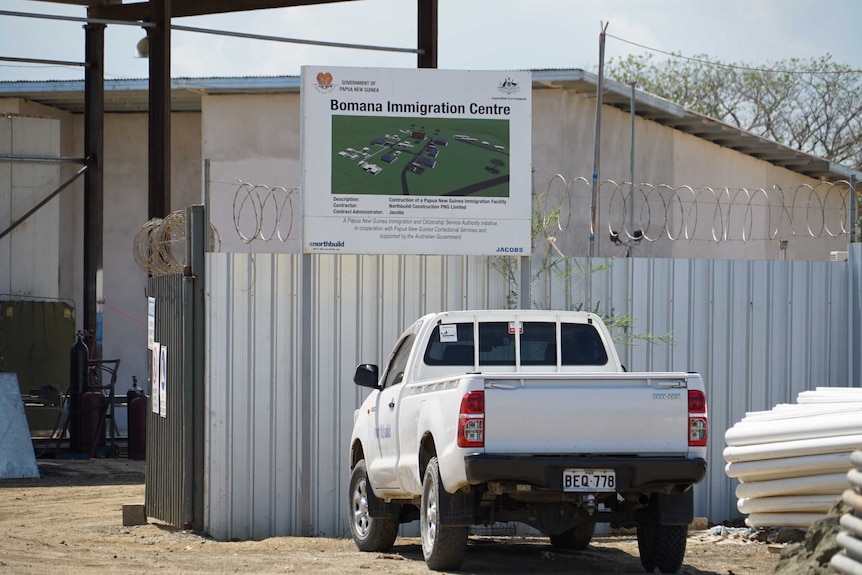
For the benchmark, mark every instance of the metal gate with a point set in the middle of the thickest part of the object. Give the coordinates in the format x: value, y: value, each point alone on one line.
x: 175, y: 436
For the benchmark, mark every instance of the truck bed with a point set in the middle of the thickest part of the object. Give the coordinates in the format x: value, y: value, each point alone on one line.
x: 589, y: 413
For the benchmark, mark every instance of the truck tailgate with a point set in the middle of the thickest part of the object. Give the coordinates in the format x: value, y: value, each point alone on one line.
x: 596, y: 413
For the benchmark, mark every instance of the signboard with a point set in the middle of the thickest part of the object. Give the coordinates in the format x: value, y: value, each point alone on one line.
x: 416, y: 161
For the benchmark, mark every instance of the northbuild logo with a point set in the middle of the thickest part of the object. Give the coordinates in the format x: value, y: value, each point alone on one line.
x: 326, y: 244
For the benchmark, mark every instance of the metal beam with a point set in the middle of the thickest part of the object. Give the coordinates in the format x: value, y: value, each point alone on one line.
x: 38, y: 206
x: 94, y: 144
x: 198, y: 30
x: 41, y: 61
x: 427, y: 41
x: 30, y: 159
x: 181, y: 8
x: 72, y: 18
x: 76, y: 2
x: 291, y: 40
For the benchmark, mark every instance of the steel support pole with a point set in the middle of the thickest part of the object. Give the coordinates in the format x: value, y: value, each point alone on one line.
x: 94, y: 145
x: 306, y: 388
x: 160, y: 110
x: 854, y: 210
x: 427, y: 34
x: 194, y: 359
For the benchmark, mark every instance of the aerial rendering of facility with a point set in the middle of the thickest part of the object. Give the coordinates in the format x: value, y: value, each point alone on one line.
x: 413, y: 156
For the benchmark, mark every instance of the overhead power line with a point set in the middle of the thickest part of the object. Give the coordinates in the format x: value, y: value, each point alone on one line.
x: 732, y: 66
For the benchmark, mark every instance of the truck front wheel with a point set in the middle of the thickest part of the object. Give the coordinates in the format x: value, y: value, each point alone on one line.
x: 443, y: 546
x: 369, y: 533
x: 661, y: 547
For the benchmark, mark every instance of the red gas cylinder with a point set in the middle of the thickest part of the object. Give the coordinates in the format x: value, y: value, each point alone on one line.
x: 92, y: 421
x: 137, y: 406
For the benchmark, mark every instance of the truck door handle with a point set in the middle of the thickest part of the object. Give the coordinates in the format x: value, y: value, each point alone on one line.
x: 391, y: 404
x: 673, y: 383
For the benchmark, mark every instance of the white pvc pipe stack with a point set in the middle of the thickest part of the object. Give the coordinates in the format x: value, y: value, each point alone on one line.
x: 849, y: 560
x: 792, y: 461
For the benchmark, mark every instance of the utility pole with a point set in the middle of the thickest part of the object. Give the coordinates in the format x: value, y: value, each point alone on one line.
x: 597, y: 147
x: 631, y: 218
x: 596, y: 164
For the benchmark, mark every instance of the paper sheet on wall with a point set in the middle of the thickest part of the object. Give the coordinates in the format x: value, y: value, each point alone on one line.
x: 151, y: 322
x: 163, y: 381
x: 155, y: 360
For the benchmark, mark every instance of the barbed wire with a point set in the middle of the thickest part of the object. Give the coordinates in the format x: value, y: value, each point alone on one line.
x: 259, y: 212
x: 652, y: 212
x: 159, y: 247
x: 629, y: 212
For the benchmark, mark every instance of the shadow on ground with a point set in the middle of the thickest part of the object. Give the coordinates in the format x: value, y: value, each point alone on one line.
x: 535, y: 556
x: 72, y: 472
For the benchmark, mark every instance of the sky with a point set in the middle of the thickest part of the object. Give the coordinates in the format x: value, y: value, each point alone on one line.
x: 472, y: 35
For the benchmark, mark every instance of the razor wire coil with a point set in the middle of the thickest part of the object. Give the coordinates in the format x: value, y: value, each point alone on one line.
x: 263, y: 213
x: 159, y: 247
x: 652, y: 212
x: 630, y: 212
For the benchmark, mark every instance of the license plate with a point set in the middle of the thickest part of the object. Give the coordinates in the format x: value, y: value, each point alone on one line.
x: 589, y: 480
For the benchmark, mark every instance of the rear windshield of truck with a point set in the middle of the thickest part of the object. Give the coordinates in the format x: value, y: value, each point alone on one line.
x: 453, y: 344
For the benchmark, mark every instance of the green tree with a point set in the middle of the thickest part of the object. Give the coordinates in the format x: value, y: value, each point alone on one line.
x: 810, y: 105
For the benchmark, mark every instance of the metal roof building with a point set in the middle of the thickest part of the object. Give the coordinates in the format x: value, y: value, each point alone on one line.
x: 186, y: 93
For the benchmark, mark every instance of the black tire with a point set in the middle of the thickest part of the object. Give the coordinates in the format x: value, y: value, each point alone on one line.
x: 577, y: 538
x: 369, y: 533
x: 661, y: 547
x: 443, y: 546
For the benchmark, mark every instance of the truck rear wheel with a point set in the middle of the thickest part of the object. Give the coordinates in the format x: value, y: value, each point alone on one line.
x: 369, y: 533
x: 577, y: 538
x: 661, y: 547
x: 443, y: 546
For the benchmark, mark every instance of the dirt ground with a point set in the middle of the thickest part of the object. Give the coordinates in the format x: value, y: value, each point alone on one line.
x: 70, y: 521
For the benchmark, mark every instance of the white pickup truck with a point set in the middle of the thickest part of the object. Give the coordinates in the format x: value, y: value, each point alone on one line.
x: 480, y: 417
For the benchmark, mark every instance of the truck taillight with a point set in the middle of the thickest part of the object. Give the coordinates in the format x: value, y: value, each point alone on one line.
x: 698, y: 426
x: 696, y: 401
x: 471, y: 420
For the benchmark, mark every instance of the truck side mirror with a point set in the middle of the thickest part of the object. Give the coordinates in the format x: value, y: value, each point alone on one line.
x: 367, y: 375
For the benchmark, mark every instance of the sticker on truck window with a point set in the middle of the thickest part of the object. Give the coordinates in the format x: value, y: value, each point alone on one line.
x: 448, y: 332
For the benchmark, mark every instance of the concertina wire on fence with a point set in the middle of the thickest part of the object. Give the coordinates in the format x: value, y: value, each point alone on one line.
x: 653, y: 212
x: 159, y: 247
x: 643, y: 211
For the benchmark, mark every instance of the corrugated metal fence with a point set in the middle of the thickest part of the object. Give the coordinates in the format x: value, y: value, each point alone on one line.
x: 175, y: 423
x: 285, y: 332
x: 165, y: 452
